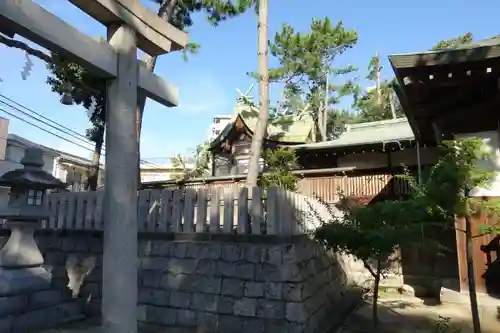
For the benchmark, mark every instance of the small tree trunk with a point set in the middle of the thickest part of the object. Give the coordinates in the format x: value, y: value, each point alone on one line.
x: 377, y: 80
x: 93, y: 176
x: 324, y: 112
x: 470, y: 275
x: 314, y: 132
x: 165, y: 12
x: 260, y: 130
x: 375, y: 296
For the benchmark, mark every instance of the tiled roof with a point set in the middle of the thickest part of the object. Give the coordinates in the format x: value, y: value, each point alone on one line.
x: 290, y: 129
x: 385, y: 131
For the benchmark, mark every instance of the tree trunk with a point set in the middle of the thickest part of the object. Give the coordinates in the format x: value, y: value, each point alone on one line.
x: 260, y: 130
x: 470, y: 275
x: 315, y: 127
x: 165, y: 12
x: 93, y: 176
x: 377, y: 80
x: 375, y: 296
x: 324, y: 112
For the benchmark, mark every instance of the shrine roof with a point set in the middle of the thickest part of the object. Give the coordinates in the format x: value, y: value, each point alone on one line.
x: 283, y: 129
x: 376, y: 132
x: 475, y: 51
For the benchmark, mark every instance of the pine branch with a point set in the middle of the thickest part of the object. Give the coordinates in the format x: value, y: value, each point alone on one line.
x: 25, y: 47
x: 17, y: 44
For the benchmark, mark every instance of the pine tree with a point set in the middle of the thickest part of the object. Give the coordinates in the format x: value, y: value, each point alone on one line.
x: 70, y: 79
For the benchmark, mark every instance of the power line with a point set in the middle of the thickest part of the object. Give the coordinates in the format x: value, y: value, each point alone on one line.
x: 67, y: 131
x: 43, y: 129
x: 79, y: 137
x: 38, y: 114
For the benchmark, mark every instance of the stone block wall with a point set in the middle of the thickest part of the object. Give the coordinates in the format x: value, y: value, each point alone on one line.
x: 201, y: 283
x: 217, y: 286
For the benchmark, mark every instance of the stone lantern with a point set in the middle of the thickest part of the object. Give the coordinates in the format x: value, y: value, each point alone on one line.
x: 21, y: 262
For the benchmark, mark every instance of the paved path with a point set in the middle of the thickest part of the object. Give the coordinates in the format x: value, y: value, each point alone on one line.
x: 405, y: 314
x: 397, y: 313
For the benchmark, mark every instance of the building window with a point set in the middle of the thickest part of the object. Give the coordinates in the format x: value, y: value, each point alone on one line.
x: 216, y: 120
x: 35, y: 197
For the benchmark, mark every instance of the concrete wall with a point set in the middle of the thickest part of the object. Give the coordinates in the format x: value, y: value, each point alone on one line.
x: 4, y: 132
x: 223, y: 284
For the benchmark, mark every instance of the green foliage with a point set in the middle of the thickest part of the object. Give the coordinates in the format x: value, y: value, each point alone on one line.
x: 373, y: 232
x: 279, y: 165
x: 453, y: 42
x: 367, y: 104
x: 369, y: 109
x: 84, y: 86
x: 443, y: 325
x: 337, y: 120
x: 305, y: 60
x: 215, y: 12
x: 201, y: 163
x: 462, y: 165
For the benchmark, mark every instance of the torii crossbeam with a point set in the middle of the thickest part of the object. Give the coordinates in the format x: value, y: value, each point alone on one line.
x: 130, y: 25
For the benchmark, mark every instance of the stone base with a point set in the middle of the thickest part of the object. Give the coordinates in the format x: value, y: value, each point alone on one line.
x: 22, y: 280
x: 423, y: 286
x: 41, y: 318
x: 28, y: 303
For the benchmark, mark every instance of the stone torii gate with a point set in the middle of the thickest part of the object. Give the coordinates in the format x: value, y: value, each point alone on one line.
x: 130, y: 25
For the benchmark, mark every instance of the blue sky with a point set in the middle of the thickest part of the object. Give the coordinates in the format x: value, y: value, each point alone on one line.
x: 208, y: 81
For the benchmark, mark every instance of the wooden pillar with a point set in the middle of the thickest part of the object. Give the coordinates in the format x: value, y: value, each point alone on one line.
x: 119, y: 290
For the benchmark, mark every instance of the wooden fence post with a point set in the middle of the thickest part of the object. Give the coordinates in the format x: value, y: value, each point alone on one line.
x: 272, y: 223
x: 243, y: 211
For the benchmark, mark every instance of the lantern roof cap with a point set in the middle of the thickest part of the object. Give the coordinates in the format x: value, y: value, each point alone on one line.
x: 32, y: 174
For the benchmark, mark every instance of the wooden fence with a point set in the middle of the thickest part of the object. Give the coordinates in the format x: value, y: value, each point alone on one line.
x: 275, y: 212
x: 326, y: 187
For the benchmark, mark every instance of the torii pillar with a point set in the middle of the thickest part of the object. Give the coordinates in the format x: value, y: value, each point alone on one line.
x: 130, y: 25
x: 119, y: 268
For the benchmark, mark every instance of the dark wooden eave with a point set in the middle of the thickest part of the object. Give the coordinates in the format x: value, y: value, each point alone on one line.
x: 450, y: 91
x: 482, y: 50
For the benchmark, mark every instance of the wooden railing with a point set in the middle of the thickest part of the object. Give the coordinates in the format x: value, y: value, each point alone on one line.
x: 275, y: 212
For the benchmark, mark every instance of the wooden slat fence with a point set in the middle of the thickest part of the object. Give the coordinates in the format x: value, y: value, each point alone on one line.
x: 234, y: 211
x: 326, y: 187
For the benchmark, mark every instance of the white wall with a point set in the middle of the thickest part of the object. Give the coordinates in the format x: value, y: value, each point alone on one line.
x: 375, y: 160
x: 218, y: 124
x: 14, y: 154
x: 157, y: 176
x: 73, y: 175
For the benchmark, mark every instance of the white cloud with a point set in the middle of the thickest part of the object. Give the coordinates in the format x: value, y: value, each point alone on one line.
x: 203, y: 95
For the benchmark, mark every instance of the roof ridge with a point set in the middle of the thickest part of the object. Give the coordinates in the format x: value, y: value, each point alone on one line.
x: 378, y: 123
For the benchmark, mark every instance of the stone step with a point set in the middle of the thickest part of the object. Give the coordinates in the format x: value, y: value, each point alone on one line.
x: 44, y: 318
x: 488, y: 306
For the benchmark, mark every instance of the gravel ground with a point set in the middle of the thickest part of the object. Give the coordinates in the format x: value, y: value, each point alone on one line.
x: 405, y: 314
